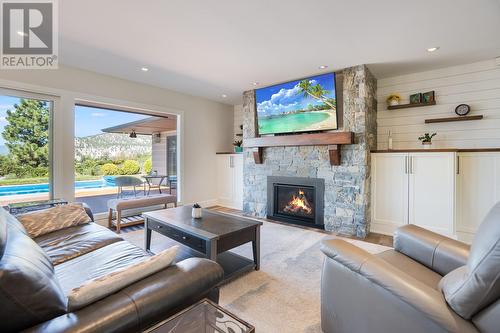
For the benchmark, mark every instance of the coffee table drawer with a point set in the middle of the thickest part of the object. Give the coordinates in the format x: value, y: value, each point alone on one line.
x: 177, y: 235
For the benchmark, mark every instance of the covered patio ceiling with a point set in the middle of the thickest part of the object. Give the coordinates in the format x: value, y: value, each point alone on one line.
x: 146, y: 126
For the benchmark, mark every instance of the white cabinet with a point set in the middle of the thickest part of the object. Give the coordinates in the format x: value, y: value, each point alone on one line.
x: 389, y: 192
x: 417, y: 188
x: 432, y: 191
x: 478, y: 189
x: 230, y: 180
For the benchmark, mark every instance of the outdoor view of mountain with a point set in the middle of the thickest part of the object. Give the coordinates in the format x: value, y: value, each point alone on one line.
x: 112, y: 145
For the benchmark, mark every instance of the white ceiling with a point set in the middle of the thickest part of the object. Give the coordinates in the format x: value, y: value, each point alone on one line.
x: 213, y: 47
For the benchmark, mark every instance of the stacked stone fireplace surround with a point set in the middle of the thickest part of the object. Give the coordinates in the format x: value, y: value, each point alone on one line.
x: 347, y: 186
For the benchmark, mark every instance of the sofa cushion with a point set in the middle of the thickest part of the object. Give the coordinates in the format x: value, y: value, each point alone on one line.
x: 42, y: 222
x: 411, y: 267
x: 75, y: 272
x: 470, y: 288
x: 29, y: 290
x: 98, y: 288
x: 63, y: 245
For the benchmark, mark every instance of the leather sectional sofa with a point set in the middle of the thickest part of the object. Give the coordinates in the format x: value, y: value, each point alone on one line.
x: 36, y: 274
x: 427, y: 283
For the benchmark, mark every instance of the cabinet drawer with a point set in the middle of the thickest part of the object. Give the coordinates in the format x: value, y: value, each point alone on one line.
x: 177, y: 235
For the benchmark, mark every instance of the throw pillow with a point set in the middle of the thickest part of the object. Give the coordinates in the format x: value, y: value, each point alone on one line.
x: 98, y: 288
x: 42, y: 222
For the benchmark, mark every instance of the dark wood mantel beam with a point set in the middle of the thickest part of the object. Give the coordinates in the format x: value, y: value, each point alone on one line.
x: 331, y: 139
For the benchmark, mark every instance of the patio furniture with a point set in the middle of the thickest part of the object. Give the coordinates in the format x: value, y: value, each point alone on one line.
x: 117, y: 206
x: 128, y: 181
x: 172, y: 183
x: 149, y: 180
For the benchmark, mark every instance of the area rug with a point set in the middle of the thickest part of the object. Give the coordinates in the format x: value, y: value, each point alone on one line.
x: 284, y: 296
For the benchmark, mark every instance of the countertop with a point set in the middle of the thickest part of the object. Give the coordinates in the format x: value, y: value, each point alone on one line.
x: 226, y: 153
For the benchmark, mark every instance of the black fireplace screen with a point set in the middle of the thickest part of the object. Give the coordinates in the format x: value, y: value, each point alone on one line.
x: 295, y: 201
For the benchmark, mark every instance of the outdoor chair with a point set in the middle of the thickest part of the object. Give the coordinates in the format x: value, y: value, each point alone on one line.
x: 129, y: 181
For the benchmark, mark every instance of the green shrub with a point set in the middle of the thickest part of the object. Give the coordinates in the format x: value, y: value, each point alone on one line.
x: 148, y: 166
x: 110, y: 169
x: 130, y: 167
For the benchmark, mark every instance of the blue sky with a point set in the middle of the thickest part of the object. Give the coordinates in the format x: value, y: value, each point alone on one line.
x: 6, y: 103
x: 88, y: 121
x: 284, y: 97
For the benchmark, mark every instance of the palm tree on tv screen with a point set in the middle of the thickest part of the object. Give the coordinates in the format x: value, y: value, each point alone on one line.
x: 315, y: 91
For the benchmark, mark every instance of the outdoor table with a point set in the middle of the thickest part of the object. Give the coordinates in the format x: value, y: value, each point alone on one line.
x: 149, y: 180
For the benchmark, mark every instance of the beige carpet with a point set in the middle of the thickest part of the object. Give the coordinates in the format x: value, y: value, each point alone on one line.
x: 284, y: 296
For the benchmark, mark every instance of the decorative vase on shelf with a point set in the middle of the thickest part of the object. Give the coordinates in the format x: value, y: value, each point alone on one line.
x: 238, y: 149
x: 427, y: 145
x: 393, y: 102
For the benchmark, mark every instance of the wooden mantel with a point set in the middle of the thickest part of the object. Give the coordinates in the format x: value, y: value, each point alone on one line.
x: 331, y: 139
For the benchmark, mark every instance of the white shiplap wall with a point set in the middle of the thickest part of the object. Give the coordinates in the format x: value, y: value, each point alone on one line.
x: 476, y: 84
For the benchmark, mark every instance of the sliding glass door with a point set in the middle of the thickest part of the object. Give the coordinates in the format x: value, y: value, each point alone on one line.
x: 120, y: 153
x: 25, y: 147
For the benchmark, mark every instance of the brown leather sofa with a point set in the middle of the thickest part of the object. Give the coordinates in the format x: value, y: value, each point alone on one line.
x: 428, y: 283
x: 36, y: 274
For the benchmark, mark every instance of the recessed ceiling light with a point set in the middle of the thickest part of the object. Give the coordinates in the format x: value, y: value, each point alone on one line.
x: 20, y: 33
x: 223, y: 95
x: 255, y: 83
x: 323, y: 67
x: 144, y: 69
x: 432, y: 49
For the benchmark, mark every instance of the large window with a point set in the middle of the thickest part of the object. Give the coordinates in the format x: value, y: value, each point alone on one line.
x: 115, y: 150
x: 25, y: 148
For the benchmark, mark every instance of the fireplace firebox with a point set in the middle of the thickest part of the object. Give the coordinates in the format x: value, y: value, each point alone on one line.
x: 296, y: 200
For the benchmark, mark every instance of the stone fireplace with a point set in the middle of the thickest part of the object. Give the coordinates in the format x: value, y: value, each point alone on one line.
x: 296, y: 200
x: 346, y: 196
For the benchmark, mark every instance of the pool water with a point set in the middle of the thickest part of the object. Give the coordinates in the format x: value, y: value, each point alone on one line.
x: 44, y: 188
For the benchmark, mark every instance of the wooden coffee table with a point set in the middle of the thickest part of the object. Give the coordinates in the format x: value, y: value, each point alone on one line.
x: 212, y: 236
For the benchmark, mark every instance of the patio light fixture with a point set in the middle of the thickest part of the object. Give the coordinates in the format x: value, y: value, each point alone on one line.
x: 133, y: 135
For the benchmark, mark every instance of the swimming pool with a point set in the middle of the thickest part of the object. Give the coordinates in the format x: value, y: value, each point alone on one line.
x: 44, y: 188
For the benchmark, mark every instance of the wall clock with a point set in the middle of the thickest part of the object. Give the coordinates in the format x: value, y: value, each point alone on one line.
x: 462, y: 109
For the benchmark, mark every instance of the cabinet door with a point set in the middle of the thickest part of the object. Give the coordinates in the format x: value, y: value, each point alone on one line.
x: 224, y: 179
x: 389, y: 192
x: 432, y: 191
x: 238, y: 181
x: 478, y: 189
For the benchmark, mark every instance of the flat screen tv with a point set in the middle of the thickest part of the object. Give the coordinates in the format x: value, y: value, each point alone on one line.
x: 305, y: 105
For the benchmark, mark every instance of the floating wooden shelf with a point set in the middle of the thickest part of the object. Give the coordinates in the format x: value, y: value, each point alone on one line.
x: 333, y: 140
x: 459, y: 118
x: 406, y: 106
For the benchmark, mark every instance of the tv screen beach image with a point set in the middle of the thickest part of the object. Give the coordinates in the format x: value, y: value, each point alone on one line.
x: 298, y: 106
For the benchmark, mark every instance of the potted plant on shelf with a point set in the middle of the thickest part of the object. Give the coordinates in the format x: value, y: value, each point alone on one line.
x: 426, y: 140
x: 393, y: 99
x: 237, y: 146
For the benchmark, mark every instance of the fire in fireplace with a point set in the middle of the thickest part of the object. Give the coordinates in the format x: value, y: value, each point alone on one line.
x: 299, y: 205
x: 293, y: 201
x: 296, y: 200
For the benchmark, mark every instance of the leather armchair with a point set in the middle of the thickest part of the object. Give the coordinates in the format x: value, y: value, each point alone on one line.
x: 403, y: 290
